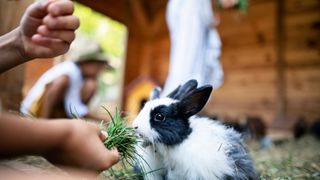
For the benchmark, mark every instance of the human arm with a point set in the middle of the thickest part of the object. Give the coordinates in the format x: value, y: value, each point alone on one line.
x: 54, y: 94
x: 46, y: 30
x: 228, y: 3
x: 66, y: 142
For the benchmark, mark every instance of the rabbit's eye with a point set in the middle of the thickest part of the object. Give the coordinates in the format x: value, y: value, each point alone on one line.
x: 159, y: 117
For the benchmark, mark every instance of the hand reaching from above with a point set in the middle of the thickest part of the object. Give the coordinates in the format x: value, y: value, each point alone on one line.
x: 47, y: 29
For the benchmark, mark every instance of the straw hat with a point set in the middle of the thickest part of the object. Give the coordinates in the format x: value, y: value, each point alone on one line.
x: 84, y: 49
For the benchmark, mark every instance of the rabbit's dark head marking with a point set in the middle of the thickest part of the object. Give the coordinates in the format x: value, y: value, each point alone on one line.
x: 166, y: 120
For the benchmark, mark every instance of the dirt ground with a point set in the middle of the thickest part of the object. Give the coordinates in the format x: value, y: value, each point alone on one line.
x: 287, y: 159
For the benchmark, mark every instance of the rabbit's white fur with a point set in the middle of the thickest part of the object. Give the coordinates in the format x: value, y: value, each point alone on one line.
x: 151, y: 163
x: 202, y: 155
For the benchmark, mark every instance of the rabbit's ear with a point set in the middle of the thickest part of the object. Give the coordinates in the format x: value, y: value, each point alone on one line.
x: 155, y: 93
x: 193, y: 102
x: 181, y: 91
x: 187, y: 88
x: 173, y: 94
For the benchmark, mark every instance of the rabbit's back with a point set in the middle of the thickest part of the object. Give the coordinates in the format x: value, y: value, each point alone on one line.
x: 211, y: 151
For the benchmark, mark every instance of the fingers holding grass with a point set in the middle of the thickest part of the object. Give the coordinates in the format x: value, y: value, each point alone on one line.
x: 103, y: 135
x: 120, y: 136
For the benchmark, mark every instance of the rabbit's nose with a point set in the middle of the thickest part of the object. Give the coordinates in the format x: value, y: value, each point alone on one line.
x: 135, y: 127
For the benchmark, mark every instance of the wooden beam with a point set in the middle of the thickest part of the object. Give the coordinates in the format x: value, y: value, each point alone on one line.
x: 141, y: 20
x: 147, y: 24
x: 159, y: 22
x: 116, y: 9
x: 133, y: 14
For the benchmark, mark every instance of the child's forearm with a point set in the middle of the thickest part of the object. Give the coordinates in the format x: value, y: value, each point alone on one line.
x: 68, y: 142
x: 20, y: 136
x: 53, y: 95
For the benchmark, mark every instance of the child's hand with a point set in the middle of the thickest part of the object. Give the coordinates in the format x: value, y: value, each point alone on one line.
x: 47, y: 29
x: 228, y: 3
x: 83, y: 147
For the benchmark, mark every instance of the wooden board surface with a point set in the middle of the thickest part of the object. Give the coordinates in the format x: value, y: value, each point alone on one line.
x: 249, y: 60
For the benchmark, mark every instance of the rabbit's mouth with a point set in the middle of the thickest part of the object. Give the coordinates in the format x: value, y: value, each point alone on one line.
x: 145, y: 141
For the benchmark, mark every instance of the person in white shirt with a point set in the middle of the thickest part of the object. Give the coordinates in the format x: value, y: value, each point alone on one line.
x: 65, y: 90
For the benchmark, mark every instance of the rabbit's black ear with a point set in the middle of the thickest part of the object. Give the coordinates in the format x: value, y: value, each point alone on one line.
x: 181, y: 91
x: 193, y: 102
x: 173, y: 94
x: 155, y: 93
x: 187, y: 88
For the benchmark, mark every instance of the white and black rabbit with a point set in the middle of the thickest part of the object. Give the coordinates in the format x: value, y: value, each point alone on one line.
x: 181, y: 146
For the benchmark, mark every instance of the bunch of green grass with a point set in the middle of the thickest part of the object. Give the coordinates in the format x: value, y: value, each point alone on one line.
x: 121, y: 173
x: 120, y: 136
x: 126, y: 141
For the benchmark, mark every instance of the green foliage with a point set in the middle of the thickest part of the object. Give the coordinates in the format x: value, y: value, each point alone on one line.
x: 109, y: 33
x: 243, y: 5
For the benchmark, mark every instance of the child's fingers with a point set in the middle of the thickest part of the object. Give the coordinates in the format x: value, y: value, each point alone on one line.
x: 45, y: 3
x: 112, y: 156
x: 115, y: 152
x: 46, y: 41
x: 64, y: 35
x: 103, y: 135
x: 102, y: 158
x: 61, y: 22
x: 50, y: 45
x: 37, y: 10
x: 61, y: 8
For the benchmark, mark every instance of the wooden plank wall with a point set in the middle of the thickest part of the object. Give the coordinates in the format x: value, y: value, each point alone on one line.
x: 302, y: 58
x: 250, y: 57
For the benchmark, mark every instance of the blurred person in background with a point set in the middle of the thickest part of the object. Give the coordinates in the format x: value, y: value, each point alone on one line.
x: 65, y: 90
x: 195, y: 42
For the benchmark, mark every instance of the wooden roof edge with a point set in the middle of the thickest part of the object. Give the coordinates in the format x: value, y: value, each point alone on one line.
x: 115, y: 9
